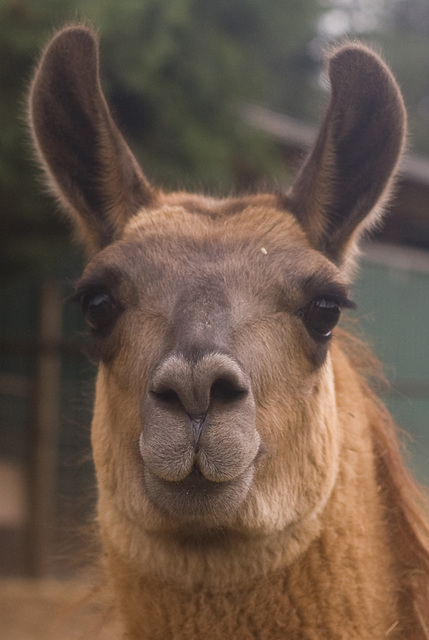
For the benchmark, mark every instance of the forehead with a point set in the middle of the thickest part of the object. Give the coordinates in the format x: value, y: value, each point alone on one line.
x: 217, y: 221
x: 207, y: 240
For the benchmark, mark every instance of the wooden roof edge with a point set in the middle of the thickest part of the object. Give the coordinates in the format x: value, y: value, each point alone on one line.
x: 298, y: 134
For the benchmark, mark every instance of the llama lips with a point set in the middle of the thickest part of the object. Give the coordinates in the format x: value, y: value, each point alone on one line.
x: 196, y: 497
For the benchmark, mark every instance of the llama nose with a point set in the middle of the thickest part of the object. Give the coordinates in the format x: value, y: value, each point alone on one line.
x: 213, y: 380
x: 198, y: 414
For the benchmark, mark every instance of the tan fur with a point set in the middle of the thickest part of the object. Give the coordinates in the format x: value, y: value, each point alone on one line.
x: 250, y: 485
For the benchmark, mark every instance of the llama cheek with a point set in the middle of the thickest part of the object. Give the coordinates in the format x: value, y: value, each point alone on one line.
x: 320, y: 450
x: 298, y: 472
x: 114, y: 436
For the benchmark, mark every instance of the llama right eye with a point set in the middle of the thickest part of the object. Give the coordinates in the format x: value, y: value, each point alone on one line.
x: 100, y: 311
x: 321, y: 316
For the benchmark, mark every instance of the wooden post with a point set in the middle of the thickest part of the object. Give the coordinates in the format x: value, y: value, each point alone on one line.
x: 44, y: 426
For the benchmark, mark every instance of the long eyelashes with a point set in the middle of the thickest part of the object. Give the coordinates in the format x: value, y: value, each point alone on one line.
x: 322, y: 314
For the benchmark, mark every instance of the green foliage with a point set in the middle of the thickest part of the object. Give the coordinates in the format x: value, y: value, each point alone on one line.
x: 174, y: 71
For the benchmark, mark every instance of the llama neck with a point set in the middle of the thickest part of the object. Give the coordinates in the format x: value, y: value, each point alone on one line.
x: 340, y: 587
x: 334, y: 590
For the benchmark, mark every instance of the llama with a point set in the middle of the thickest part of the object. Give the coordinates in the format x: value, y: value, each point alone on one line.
x: 249, y: 483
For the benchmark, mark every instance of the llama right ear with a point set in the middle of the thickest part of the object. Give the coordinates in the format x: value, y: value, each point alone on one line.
x: 87, y: 161
x: 345, y: 182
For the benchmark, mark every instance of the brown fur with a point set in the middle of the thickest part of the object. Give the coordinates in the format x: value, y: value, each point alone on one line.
x: 250, y: 485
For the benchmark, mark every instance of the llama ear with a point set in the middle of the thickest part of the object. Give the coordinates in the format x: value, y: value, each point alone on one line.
x: 345, y: 180
x: 88, y: 163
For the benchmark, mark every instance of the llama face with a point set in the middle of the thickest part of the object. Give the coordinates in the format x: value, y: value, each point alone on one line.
x: 214, y: 349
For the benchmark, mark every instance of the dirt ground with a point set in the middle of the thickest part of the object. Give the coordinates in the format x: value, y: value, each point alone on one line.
x: 50, y: 610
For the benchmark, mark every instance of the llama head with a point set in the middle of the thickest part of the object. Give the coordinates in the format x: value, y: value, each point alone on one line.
x: 213, y: 319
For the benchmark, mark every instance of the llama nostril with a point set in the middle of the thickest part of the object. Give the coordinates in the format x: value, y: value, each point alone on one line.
x: 166, y: 396
x: 224, y: 391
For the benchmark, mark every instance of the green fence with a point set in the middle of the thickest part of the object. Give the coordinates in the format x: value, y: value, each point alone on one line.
x: 392, y: 293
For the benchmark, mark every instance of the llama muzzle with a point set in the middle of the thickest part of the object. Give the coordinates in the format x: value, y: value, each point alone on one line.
x: 199, y: 441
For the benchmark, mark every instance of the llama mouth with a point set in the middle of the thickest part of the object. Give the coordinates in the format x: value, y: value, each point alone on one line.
x: 198, y: 498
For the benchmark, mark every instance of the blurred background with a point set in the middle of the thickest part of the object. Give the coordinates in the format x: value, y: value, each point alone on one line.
x: 216, y: 96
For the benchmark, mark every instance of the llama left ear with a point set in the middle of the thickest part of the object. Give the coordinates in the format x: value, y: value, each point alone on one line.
x: 345, y: 181
x: 89, y: 166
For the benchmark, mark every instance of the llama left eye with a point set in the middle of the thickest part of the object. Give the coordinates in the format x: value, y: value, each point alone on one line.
x: 99, y: 310
x: 321, y: 316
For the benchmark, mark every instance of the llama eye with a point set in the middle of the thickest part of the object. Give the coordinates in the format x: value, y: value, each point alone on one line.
x: 321, y: 316
x: 99, y: 310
